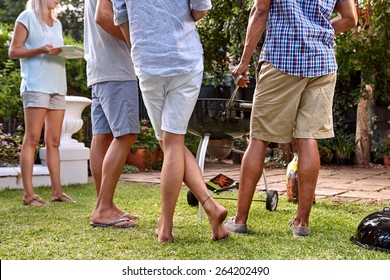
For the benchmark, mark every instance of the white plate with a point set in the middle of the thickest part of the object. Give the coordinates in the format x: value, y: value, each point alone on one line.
x: 70, y: 52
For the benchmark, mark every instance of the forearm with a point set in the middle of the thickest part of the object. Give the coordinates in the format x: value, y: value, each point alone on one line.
x: 19, y: 52
x: 104, y: 17
x: 347, y: 16
x: 256, y: 26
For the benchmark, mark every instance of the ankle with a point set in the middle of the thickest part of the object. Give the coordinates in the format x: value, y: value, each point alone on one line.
x: 240, y: 220
x: 206, y: 199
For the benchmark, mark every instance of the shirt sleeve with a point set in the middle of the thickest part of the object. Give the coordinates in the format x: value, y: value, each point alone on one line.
x: 201, y: 5
x: 120, y: 12
x: 24, y: 18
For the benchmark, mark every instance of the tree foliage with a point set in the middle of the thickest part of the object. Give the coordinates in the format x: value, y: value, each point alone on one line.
x: 71, y: 15
x: 365, y: 51
x: 10, y: 9
x: 72, y: 18
x: 222, y: 33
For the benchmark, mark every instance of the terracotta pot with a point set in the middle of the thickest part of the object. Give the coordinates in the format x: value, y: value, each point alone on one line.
x: 386, y: 160
x: 143, y: 159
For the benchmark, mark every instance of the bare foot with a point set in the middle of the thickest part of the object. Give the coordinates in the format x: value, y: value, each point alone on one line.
x: 217, y: 214
x: 124, y: 214
x: 129, y: 216
x: 164, y: 234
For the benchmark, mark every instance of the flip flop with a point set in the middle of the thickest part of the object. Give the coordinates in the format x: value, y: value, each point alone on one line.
x: 129, y: 216
x: 62, y: 198
x: 114, y: 222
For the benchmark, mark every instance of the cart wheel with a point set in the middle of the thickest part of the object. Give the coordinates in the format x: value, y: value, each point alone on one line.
x: 191, y: 199
x: 272, y: 200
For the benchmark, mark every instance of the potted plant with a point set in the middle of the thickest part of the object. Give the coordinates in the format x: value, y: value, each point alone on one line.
x: 145, y: 152
x: 344, y: 147
x: 386, y: 151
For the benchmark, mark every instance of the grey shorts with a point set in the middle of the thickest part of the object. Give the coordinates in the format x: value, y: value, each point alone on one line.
x: 35, y: 99
x: 115, y: 108
x: 286, y: 107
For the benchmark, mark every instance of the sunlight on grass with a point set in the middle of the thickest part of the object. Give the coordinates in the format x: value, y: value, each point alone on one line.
x: 62, y: 231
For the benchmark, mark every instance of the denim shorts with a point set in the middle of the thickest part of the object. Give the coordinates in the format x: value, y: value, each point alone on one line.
x: 35, y: 99
x: 286, y: 107
x: 115, y: 108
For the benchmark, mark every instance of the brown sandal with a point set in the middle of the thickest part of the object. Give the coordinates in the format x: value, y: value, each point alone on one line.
x: 62, y: 198
x: 35, y: 201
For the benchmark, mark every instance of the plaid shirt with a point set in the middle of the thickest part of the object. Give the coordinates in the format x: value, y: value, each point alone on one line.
x: 299, y: 39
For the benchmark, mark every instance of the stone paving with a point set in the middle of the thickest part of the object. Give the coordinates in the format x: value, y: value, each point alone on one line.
x: 341, y: 184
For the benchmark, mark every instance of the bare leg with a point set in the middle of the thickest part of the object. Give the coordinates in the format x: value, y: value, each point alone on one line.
x: 172, y: 175
x: 99, y: 146
x: 114, y: 160
x: 216, y: 213
x: 308, y: 170
x: 250, y: 174
x: 53, y: 126
x: 34, y: 119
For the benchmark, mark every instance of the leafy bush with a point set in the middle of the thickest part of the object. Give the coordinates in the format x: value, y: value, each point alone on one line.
x: 129, y: 169
x: 10, y: 145
x: 10, y: 99
x: 146, y: 137
x: 192, y: 142
x: 326, y: 154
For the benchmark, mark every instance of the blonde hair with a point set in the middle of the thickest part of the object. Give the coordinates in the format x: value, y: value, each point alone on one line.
x: 39, y: 7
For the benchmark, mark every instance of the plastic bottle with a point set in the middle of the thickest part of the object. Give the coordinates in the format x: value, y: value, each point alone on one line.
x: 292, y: 180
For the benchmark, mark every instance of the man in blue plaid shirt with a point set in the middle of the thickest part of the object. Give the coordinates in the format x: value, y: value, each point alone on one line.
x: 294, y: 92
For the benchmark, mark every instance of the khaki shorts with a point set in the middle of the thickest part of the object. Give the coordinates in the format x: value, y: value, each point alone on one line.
x: 286, y: 107
x: 34, y: 99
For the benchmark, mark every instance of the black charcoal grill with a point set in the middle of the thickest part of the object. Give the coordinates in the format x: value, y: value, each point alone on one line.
x: 218, y: 121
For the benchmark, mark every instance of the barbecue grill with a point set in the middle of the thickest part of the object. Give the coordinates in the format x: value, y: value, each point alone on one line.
x: 218, y: 121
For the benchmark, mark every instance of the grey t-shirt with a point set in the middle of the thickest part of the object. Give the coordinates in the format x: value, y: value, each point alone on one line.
x: 108, y: 59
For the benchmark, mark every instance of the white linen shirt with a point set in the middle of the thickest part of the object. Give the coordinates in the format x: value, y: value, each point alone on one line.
x: 163, y: 35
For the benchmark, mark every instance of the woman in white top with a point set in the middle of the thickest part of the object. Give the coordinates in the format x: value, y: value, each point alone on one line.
x: 36, y: 42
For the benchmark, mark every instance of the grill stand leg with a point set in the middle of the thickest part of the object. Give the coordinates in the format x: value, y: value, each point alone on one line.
x: 200, y: 158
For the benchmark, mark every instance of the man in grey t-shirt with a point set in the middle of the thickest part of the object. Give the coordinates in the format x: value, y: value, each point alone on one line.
x: 168, y: 60
x: 115, y: 119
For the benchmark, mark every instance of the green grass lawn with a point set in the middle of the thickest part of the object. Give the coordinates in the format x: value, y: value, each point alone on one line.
x: 62, y: 231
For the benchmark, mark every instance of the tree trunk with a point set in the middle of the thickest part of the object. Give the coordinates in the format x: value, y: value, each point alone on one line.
x: 364, y: 123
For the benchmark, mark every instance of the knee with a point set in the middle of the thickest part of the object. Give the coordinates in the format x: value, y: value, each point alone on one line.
x: 31, y: 141
x: 53, y: 143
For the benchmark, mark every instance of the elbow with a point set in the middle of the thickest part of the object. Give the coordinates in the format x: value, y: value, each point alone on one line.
x: 102, y: 17
x: 198, y: 15
x: 11, y: 54
x: 98, y: 19
x: 260, y: 12
x: 351, y: 21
